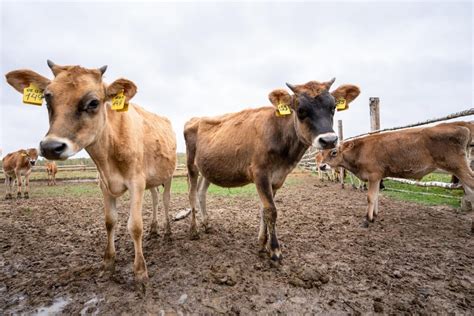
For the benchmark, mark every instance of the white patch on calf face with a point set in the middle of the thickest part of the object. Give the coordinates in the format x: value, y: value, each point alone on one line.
x: 70, y: 150
x: 317, y: 143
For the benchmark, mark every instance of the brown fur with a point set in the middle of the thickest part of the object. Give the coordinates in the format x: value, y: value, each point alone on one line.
x: 15, y: 165
x: 411, y: 153
x: 133, y: 150
x: 51, y: 170
x: 251, y: 146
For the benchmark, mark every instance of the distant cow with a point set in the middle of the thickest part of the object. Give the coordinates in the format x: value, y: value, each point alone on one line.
x: 258, y: 146
x: 51, y: 170
x: 411, y: 153
x: 15, y: 165
x: 133, y: 150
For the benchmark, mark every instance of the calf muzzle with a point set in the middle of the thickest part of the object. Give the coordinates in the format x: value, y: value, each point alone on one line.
x: 52, y: 149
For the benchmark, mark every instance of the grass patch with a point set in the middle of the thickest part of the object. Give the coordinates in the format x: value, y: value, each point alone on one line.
x: 66, y: 190
x: 450, y: 197
x: 179, y: 186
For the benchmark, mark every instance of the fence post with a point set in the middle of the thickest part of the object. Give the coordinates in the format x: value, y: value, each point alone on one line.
x: 341, y: 137
x: 374, y: 113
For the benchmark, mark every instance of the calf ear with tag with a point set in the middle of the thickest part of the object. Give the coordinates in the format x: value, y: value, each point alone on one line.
x: 33, y: 95
x: 341, y: 104
x: 118, y: 102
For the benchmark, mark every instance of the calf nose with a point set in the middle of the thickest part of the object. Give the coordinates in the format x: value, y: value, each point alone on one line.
x: 52, y: 149
x: 32, y: 162
x: 322, y: 167
x: 328, y: 141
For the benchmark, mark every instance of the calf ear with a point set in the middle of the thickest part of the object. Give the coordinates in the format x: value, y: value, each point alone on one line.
x: 128, y: 87
x: 347, y: 145
x: 346, y: 91
x: 21, y: 79
x: 280, y: 96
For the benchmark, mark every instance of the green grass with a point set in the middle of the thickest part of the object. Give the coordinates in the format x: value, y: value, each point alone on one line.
x: 179, y: 186
x: 451, y: 197
x: 66, y: 190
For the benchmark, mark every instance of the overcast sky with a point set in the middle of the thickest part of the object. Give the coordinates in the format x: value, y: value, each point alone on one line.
x: 201, y: 59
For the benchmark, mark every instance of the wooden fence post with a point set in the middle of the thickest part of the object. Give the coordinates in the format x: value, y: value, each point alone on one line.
x: 374, y: 114
x: 341, y: 137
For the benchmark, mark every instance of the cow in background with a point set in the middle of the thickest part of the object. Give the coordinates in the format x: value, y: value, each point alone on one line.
x: 410, y: 153
x: 51, y: 170
x: 261, y: 146
x: 18, y: 164
x: 133, y: 150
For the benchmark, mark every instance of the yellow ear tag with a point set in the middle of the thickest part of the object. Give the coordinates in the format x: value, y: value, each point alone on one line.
x: 341, y: 104
x: 33, y: 95
x: 24, y: 155
x: 118, y: 102
x: 283, y: 109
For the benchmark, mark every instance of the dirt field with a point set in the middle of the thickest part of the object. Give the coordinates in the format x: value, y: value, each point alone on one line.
x: 414, y: 259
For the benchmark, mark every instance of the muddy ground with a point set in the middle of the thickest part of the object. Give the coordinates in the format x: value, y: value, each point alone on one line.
x: 414, y: 259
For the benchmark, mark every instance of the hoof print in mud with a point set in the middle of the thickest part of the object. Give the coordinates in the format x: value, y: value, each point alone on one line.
x: 222, y: 275
x: 309, y: 277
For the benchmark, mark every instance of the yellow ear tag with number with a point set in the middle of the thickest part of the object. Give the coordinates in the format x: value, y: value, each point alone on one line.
x: 118, y: 102
x: 341, y: 104
x: 33, y: 95
x: 283, y: 109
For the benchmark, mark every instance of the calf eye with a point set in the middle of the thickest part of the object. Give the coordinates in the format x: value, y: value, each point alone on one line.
x: 302, y: 113
x: 92, y: 105
x: 334, y: 153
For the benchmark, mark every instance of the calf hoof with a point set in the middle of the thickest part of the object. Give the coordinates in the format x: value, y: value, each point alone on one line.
x: 109, y: 266
x: 8, y: 196
x: 141, y: 277
x: 365, y: 224
x: 193, y: 235
x: 26, y: 196
x: 18, y: 195
x: 154, y: 229
x: 276, y: 255
x: 167, y: 236
x: 207, y: 228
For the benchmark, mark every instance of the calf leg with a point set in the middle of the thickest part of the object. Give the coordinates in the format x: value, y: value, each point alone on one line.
x: 135, y: 228
x: 202, y: 192
x: 26, y: 194
x: 193, y: 174
x: 154, y: 221
x: 262, y: 233
x: 372, y: 196
x: 18, y: 180
x: 8, y: 194
x: 264, y: 188
x: 166, y: 206
x: 110, y: 212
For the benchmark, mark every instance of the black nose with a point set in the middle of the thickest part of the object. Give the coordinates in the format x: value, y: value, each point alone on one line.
x: 32, y: 162
x: 328, y: 141
x: 52, y: 149
x: 322, y: 167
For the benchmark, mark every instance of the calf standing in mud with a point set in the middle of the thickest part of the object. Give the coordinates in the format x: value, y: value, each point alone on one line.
x: 51, y: 170
x: 15, y: 165
x: 411, y: 153
x: 133, y: 149
x: 261, y: 146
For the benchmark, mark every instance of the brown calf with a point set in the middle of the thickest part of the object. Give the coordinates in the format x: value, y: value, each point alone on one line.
x: 411, y: 153
x: 51, y: 170
x: 15, y: 165
x: 257, y: 146
x: 133, y: 150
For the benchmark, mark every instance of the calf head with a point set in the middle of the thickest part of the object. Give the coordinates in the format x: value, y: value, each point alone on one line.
x: 76, y: 100
x: 333, y: 158
x: 314, y: 106
x: 31, y: 155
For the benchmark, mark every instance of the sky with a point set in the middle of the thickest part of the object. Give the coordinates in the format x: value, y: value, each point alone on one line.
x: 208, y: 58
